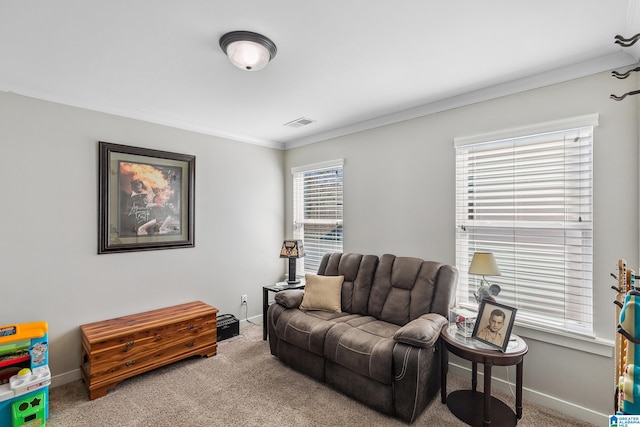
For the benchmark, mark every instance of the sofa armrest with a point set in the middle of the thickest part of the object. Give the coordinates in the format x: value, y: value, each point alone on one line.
x: 421, y: 332
x: 291, y: 298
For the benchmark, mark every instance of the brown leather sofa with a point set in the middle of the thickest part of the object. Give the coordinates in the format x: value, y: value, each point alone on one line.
x: 382, y: 346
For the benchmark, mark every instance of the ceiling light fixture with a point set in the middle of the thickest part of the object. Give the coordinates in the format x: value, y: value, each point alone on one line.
x: 247, y: 50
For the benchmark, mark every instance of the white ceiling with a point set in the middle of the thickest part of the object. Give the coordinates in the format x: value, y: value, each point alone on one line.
x: 348, y: 64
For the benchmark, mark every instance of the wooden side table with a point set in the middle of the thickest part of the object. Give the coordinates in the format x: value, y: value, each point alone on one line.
x: 472, y: 407
x: 275, y: 288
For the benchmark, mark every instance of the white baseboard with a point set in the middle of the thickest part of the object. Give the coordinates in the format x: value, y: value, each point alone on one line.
x: 542, y: 399
x: 66, y: 377
x: 251, y: 320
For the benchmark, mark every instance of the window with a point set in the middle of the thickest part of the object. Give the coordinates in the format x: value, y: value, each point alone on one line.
x: 317, y: 211
x: 529, y: 200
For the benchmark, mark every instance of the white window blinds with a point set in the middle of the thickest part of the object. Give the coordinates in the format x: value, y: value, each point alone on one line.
x: 529, y: 201
x: 317, y: 211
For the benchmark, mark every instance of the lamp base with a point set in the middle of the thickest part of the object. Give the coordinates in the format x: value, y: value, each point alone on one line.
x: 292, y: 272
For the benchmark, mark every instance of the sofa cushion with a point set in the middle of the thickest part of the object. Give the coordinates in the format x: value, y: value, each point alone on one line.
x: 358, y: 271
x: 403, y: 289
x: 363, y: 345
x: 307, y: 329
x: 322, y: 293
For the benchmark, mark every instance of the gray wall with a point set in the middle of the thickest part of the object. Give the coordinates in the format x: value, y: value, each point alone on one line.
x: 399, y: 188
x: 48, y: 244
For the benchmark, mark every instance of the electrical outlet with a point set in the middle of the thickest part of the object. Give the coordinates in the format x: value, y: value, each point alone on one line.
x: 243, y: 299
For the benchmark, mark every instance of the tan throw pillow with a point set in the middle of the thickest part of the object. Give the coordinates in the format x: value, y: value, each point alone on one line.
x: 322, y: 293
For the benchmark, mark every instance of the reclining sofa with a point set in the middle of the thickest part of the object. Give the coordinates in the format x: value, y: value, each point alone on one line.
x: 368, y: 327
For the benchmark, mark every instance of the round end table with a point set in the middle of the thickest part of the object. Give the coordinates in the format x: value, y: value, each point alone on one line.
x: 480, y: 408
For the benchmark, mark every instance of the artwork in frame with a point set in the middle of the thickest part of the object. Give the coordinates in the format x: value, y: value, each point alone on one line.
x: 146, y: 199
x: 494, y: 323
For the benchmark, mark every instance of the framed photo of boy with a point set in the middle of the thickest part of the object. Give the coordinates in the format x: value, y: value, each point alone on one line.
x: 494, y: 324
x: 146, y: 199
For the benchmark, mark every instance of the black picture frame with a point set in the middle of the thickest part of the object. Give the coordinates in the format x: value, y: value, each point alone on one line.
x: 481, y: 331
x: 146, y: 199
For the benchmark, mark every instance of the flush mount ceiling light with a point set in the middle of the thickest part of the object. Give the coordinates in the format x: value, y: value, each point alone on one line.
x: 248, y: 51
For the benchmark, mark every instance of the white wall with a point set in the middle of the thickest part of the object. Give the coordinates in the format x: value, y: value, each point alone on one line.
x: 48, y: 243
x: 399, y: 198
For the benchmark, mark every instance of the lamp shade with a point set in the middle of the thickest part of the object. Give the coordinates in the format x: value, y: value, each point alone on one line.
x: 292, y: 249
x: 485, y: 264
x: 247, y: 50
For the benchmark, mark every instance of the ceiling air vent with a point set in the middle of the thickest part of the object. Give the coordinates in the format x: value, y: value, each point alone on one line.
x: 302, y: 121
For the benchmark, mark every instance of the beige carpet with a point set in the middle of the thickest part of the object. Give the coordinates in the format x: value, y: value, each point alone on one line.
x: 243, y: 385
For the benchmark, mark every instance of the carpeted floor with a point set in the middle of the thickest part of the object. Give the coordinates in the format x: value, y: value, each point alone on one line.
x: 243, y: 385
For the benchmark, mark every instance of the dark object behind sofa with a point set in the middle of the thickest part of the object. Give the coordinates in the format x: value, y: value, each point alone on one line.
x: 382, y: 349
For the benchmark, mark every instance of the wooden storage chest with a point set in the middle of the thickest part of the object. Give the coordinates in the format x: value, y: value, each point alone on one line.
x: 116, y: 349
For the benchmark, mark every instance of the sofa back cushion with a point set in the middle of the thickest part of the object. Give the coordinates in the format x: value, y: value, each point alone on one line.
x: 358, y: 271
x: 405, y: 288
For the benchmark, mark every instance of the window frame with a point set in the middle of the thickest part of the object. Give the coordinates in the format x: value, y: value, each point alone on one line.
x: 463, y: 256
x: 335, y: 243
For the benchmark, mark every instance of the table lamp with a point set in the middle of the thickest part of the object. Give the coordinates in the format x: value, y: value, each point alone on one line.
x: 484, y: 263
x: 292, y: 249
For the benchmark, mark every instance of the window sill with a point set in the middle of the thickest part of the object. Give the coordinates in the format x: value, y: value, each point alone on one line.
x: 593, y: 345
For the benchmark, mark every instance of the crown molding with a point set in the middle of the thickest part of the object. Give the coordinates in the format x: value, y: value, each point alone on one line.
x: 142, y: 116
x: 558, y: 75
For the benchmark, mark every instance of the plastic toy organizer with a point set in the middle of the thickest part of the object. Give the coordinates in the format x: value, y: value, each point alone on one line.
x: 24, y: 375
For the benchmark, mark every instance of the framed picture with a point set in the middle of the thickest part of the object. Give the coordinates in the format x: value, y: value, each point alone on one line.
x: 494, y: 324
x: 145, y: 200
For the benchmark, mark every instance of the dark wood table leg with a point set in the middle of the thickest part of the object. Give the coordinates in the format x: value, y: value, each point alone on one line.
x: 486, y: 416
x: 479, y: 408
x: 474, y: 376
x: 519, y: 389
x: 444, y: 370
x: 265, y: 307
